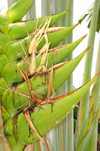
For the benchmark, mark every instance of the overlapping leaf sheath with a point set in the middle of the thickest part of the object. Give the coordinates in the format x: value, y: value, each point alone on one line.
x: 10, y: 71
x: 40, y: 85
x: 14, y: 30
x: 44, y: 119
x: 17, y: 49
x: 22, y: 29
x: 15, y: 93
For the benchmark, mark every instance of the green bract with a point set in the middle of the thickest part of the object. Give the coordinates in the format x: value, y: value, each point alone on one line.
x: 15, y: 93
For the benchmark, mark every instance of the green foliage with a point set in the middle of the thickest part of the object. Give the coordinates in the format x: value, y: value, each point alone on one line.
x: 22, y: 91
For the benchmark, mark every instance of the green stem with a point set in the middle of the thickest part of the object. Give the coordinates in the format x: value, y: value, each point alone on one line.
x: 95, y: 103
x: 32, y: 11
x: 36, y: 146
x: 84, y: 105
x: 46, y: 10
x: 45, y: 7
x: 67, y: 124
x: 70, y: 121
x: 96, y: 88
x: 61, y: 143
x: 10, y: 2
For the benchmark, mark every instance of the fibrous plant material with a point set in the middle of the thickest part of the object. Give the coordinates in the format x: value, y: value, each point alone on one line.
x: 26, y: 99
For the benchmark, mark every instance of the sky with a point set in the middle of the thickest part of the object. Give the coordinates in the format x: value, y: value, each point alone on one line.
x: 80, y: 6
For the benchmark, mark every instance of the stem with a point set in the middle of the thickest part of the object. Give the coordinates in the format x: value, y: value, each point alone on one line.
x: 84, y: 104
x: 96, y: 88
x: 46, y: 10
x: 10, y: 2
x: 58, y: 144
x: 32, y: 11
x: 60, y: 137
x: 45, y: 7
x: 70, y: 120
x: 95, y: 103
x: 67, y: 123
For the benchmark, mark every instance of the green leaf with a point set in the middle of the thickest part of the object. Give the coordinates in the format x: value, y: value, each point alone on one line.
x: 89, y: 14
x: 88, y: 131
